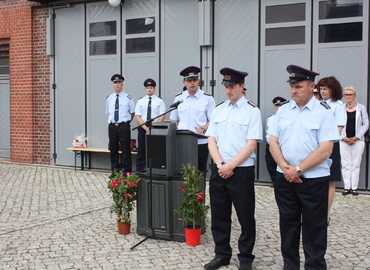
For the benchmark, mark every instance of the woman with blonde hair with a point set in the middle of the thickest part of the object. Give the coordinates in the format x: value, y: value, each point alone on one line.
x: 352, y: 142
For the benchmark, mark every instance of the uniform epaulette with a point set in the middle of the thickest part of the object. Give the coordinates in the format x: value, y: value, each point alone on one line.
x: 326, y: 105
x: 220, y: 103
x: 207, y: 94
x: 178, y: 94
x: 140, y: 98
x: 107, y: 97
x: 129, y: 97
x: 284, y: 102
x: 252, y: 104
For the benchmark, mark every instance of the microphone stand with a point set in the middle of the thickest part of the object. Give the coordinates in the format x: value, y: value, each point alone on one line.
x: 148, y: 123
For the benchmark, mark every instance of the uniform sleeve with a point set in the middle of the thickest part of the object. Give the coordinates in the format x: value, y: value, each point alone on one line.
x: 138, y: 109
x: 339, y: 113
x: 132, y: 106
x: 328, y: 130
x: 255, y: 128
x: 174, y: 114
x: 162, y: 107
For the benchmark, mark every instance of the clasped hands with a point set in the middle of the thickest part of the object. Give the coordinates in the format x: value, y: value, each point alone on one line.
x: 291, y: 175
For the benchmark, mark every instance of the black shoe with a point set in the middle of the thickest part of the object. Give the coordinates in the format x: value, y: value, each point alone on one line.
x: 216, y: 263
x: 111, y: 176
x: 245, y: 266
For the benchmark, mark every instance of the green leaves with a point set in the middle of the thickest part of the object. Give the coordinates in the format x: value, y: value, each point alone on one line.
x: 124, y: 193
x: 192, y: 208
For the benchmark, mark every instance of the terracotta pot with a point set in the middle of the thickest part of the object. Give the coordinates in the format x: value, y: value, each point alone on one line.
x: 192, y: 236
x: 123, y: 227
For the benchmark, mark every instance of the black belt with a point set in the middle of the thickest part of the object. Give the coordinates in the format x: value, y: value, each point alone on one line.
x: 118, y: 124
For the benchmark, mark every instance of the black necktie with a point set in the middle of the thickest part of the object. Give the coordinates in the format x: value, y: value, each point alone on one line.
x: 116, y: 110
x: 149, y: 112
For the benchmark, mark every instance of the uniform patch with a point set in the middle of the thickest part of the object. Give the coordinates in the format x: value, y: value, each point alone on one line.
x: 252, y: 104
x: 220, y: 103
x: 326, y: 105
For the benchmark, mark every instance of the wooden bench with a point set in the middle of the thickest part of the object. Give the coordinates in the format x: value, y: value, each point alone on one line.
x: 82, y: 152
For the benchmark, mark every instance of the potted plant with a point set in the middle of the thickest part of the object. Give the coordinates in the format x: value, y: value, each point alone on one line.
x: 192, y: 209
x: 124, y: 194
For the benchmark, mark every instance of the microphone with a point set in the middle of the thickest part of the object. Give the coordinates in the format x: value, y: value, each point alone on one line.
x: 176, y: 103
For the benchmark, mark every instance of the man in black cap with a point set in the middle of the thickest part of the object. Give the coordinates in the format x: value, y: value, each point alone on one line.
x: 234, y: 131
x: 194, y: 112
x: 147, y: 107
x: 301, y: 140
x: 120, y: 108
x: 270, y: 162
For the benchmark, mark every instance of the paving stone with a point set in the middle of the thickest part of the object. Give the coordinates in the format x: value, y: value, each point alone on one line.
x: 58, y: 218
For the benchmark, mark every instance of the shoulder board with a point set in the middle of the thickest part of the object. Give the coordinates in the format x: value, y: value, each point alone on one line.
x: 220, y: 103
x: 141, y: 98
x: 252, y: 103
x: 129, y: 97
x: 326, y: 105
x: 207, y: 94
x: 178, y: 94
x: 283, y: 103
x: 107, y: 97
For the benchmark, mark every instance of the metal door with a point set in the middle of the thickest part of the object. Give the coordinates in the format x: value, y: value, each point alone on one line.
x: 4, y: 117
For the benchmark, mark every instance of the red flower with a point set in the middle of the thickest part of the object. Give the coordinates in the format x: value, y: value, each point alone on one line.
x: 182, y: 187
x: 128, y: 174
x: 131, y: 184
x: 128, y: 196
x: 123, y: 181
x: 114, y: 184
x: 200, y: 197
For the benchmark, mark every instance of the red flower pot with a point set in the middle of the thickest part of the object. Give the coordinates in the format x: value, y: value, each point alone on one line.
x: 192, y: 236
x: 123, y: 227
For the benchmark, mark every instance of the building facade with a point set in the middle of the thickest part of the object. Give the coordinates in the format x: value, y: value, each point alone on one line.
x: 57, y: 58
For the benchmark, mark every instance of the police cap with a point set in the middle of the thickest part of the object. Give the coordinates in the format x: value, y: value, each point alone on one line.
x: 150, y: 82
x: 297, y: 74
x: 232, y: 76
x: 277, y: 101
x: 117, y: 78
x: 190, y: 73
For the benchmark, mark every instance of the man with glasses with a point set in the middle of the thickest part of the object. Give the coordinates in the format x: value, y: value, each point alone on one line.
x: 194, y: 113
x: 120, y: 108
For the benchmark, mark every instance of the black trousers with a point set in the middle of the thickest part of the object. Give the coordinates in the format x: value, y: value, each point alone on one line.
x: 141, y: 154
x: 122, y: 134
x: 238, y: 190
x: 270, y: 163
x: 303, y: 205
x: 203, y: 157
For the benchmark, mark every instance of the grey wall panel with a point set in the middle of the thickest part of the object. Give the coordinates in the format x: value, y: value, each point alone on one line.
x: 135, y: 8
x: 100, y: 87
x: 346, y: 64
x: 101, y: 11
x: 179, y: 44
x: 236, y: 43
x: 70, y: 77
x: 4, y: 118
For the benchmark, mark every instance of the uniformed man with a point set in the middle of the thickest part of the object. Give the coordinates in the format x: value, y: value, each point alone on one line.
x: 270, y: 162
x: 234, y: 131
x: 120, y: 108
x: 147, y: 107
x: 302, y: 138
x: 194, y: 113
x: 316, y: 93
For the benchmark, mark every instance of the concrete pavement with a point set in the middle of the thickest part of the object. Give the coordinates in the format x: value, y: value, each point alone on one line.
x: 57, y: 218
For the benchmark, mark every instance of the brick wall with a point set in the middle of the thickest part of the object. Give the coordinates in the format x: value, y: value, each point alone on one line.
x: 29, y: 80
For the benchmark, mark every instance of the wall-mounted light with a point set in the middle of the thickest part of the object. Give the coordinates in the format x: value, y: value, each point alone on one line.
x: 114, y: 3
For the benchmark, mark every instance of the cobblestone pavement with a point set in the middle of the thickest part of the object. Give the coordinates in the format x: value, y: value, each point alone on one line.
x: 56, y: 218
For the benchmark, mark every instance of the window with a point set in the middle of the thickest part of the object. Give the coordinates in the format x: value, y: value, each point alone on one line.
x: 103, y: 38
x: 285, y: 13
x: 140, y: 35
x: 343, y: 11
x: 285, y: 36
x: 340, y: 32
